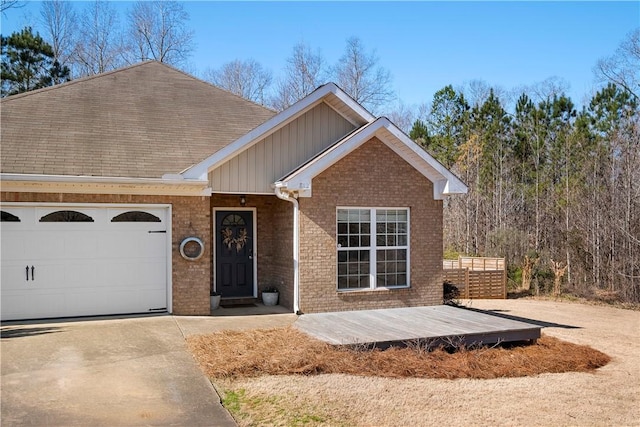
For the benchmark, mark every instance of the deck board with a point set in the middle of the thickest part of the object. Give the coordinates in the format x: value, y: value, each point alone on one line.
x: 398, y: 325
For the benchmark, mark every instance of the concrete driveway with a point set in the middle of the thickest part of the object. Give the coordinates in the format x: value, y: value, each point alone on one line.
x: 105, y: 372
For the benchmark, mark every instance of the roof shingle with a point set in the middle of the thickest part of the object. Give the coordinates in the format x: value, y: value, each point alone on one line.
x: 141, y: 121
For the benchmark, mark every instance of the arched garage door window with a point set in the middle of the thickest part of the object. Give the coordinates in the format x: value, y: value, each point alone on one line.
x: 66, y: 216
x: 8, y: 217
x: 135, y: 216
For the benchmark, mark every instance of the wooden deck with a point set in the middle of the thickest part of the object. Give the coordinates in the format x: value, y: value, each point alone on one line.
x: 399, y: 325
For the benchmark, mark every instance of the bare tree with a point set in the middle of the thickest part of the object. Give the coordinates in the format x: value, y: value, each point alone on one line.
x: 9, y: 4
x: 359, y: 74
x: 549, y: 88
x: 60, y: 26
x: 247, y: 79
x: 99, y: 48
x: 158, y: 31
x: 403, y: 116
x: 303, y: 74
x: 477, y: 92
x: 623, y: 67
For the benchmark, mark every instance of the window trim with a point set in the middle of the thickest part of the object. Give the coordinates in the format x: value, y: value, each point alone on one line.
x: 373, y: 248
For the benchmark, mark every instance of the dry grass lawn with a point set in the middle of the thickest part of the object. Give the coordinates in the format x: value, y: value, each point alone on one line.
x: 607, y: 396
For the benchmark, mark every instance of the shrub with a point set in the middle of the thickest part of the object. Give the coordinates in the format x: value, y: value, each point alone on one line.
x: 450, y: 294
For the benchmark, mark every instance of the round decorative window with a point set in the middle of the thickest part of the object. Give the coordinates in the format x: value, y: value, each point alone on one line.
x: 192, y: 249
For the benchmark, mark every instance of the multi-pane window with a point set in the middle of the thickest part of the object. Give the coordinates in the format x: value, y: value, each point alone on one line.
x: 354, y: 241
x: 373, y: 247
x: 392, y: 231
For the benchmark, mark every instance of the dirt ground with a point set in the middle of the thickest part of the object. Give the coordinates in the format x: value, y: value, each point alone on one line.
x: 609, y: 397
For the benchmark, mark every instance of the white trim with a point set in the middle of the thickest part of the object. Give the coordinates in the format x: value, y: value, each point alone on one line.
x: 289, y: 197
x: 449, y: 183
x: 240, y: 193
x: 88, y: 205
x: 128, y: 206
x: 31, y: 183
x: 444, y: 182
x: 170, y: 260
x: 255, y: 243
x: 201, y: 170
x: 373, y: 247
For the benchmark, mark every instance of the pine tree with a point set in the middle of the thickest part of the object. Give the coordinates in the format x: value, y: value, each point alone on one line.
x: 28, y: 64
x: 448, y: 112
x: 420, y: 133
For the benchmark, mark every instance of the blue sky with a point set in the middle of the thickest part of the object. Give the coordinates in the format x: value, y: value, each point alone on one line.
x: 425, y: 45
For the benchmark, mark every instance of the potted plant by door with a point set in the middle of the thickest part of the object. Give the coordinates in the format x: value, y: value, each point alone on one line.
x: 215, y: 299
x: 270, y: 295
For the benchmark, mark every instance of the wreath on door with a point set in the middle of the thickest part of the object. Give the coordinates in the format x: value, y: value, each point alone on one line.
x: 229, y: 239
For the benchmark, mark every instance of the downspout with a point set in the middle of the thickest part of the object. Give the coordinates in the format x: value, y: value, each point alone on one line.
x: 296, y: 245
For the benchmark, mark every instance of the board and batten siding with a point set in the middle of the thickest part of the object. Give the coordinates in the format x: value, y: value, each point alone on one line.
x: 255, y: 169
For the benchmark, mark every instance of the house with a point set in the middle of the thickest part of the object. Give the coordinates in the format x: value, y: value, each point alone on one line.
x: 140, y: 189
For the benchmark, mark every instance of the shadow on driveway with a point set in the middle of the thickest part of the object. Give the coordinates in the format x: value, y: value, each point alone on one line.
x: 8, y: 332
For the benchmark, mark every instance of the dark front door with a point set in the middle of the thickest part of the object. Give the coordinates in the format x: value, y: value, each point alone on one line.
x: 234, y: 253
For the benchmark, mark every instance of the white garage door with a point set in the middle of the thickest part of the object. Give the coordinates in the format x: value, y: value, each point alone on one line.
x: 70, y: 260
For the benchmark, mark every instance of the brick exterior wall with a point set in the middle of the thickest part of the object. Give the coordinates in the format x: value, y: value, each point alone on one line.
x: 371, y: 176
x: 275, y: 240
x: 191, y: 217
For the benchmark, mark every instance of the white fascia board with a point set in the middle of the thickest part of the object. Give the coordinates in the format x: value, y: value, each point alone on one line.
x: 352, y: 104
x: 169, y: 186
x: 298, y: 191
x: 444, y: 182
x: 201, y: 170
x: 454, y: 184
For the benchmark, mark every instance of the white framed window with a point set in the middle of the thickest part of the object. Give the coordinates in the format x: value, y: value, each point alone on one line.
x: 373, y: 248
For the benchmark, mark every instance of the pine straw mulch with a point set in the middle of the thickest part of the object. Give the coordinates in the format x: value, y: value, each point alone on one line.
x: 286, y: 351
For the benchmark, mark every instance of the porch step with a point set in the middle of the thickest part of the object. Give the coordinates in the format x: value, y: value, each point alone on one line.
x: 238, y: 302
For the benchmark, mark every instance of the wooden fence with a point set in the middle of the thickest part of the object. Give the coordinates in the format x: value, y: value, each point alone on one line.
x: 477, y: 277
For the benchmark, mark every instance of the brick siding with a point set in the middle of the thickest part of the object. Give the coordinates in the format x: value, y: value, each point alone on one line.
x: 371, y: 176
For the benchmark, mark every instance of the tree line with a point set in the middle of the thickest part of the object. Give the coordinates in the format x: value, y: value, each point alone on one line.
x: 552, y: 187
x: 75, y: 43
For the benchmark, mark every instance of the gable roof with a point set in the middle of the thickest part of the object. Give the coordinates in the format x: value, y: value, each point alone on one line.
x: 152, y: 123
x: 444, y: 181
x: 329, y: 93
x: 143, y: 121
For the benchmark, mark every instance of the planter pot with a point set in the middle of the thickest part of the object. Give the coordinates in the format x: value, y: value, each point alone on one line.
x: 270, y: 298
x: 215, y: 301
